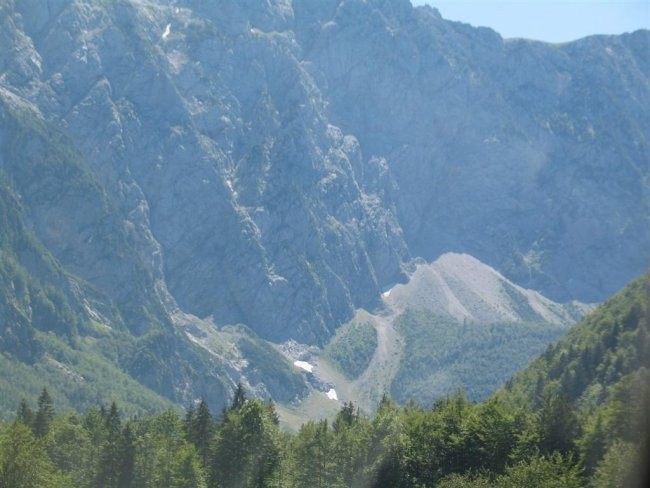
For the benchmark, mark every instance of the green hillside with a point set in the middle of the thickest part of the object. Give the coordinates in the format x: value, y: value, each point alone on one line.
x: 443, y: 354
x: 602, y: 351
x: 47, y: 338
x: 549, y: 428
x: 600, y: 371
x: 80, y: 309
x: 352, y: 347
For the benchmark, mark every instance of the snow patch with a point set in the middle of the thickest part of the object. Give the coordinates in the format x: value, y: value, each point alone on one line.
x: 331, y: 394
x: 168, y: 29
x: 305, y: 365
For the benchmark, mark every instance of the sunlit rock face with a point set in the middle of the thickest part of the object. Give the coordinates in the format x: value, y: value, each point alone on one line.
x: 279, y: 163
x: 530, y: 156
x: 212, y: 141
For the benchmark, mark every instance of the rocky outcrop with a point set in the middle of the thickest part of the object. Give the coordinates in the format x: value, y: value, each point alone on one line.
x: 211, y: 140
x: 530, y: 156
x: 461, y: 287
x: 279, y: 163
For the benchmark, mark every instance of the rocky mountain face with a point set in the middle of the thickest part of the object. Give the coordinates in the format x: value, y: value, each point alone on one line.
x: 530, y: 156
x: 212, y: 140
x: 456, y: 323
x: 181, y: 165
x: 461, y: 287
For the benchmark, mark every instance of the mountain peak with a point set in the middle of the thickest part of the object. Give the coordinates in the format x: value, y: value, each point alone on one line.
x: 461, y: 286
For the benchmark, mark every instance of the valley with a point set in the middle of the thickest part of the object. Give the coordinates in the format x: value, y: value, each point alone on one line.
x: 455, y: 324
x: 319, y: 243
x: 576, y: 417
x: 187, y: 187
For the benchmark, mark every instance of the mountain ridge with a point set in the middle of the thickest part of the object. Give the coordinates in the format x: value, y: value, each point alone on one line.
x: 190, y: 167
x: 455, y: 324
x: 462, y: 287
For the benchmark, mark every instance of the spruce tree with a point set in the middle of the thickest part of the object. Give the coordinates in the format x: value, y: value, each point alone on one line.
x: 239, y: 399
x: 109, y: 456
x: 201, y: 430
x: 44, y: 414
x: 557, y: 424
x: 25, y: 414
x: 246, y: 450
x: 126, y: 457
x: 188, y: 422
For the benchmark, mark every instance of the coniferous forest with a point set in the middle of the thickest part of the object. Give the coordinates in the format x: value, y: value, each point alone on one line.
x: 576, y: 417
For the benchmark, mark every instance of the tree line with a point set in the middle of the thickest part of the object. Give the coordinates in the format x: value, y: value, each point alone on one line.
x: 453, y: 444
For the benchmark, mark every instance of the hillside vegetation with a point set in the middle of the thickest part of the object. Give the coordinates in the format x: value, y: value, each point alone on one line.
x: 456, y: 323
x: 601, y: 373
x: 535, y: 433
x: 443, y: 354
x: 352, y: 347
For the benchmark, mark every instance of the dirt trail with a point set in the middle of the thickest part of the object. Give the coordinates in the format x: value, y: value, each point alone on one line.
x: 367, y: 389
x: 378, y: 377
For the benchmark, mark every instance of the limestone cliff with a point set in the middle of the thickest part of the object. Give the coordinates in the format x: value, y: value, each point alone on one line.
x: 182, y: 166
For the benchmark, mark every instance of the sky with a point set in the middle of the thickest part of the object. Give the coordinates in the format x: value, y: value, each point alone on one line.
x: 548, y: 20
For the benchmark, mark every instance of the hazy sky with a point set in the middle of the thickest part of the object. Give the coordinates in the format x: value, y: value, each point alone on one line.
x: 548, y: 20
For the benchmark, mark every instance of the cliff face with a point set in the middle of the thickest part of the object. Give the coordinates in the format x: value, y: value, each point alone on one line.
x: 530, y: 156
x: 279, y: 164
x: 212, y: 142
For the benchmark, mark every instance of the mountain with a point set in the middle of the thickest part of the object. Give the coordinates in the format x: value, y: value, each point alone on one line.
x: 456, y: 324
x: 459, y: 286
x: 184, y: 181
x: 534, y: 440
x: 600, y: 372
x: 500, y: 148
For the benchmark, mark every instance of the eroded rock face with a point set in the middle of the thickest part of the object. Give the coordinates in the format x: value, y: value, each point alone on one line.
x: 278, y: 163
x: 532, y: 157
x: 211, y: 139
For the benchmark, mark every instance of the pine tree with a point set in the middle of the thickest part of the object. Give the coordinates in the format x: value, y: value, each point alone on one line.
x: 113, y: 421
x: 246, y: 451
x: 188, y: 422
x: 239, y: 399
x: 345, y: 418
x: 126, y: 456
x: 25, y: 414
x: 201, y: 430
x: 109, y: 456
x: 351, y: 445
x: 44, y: 414
x: 557, y: 424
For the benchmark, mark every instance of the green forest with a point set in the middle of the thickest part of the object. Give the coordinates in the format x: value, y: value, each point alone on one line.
x: 576, y: 417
